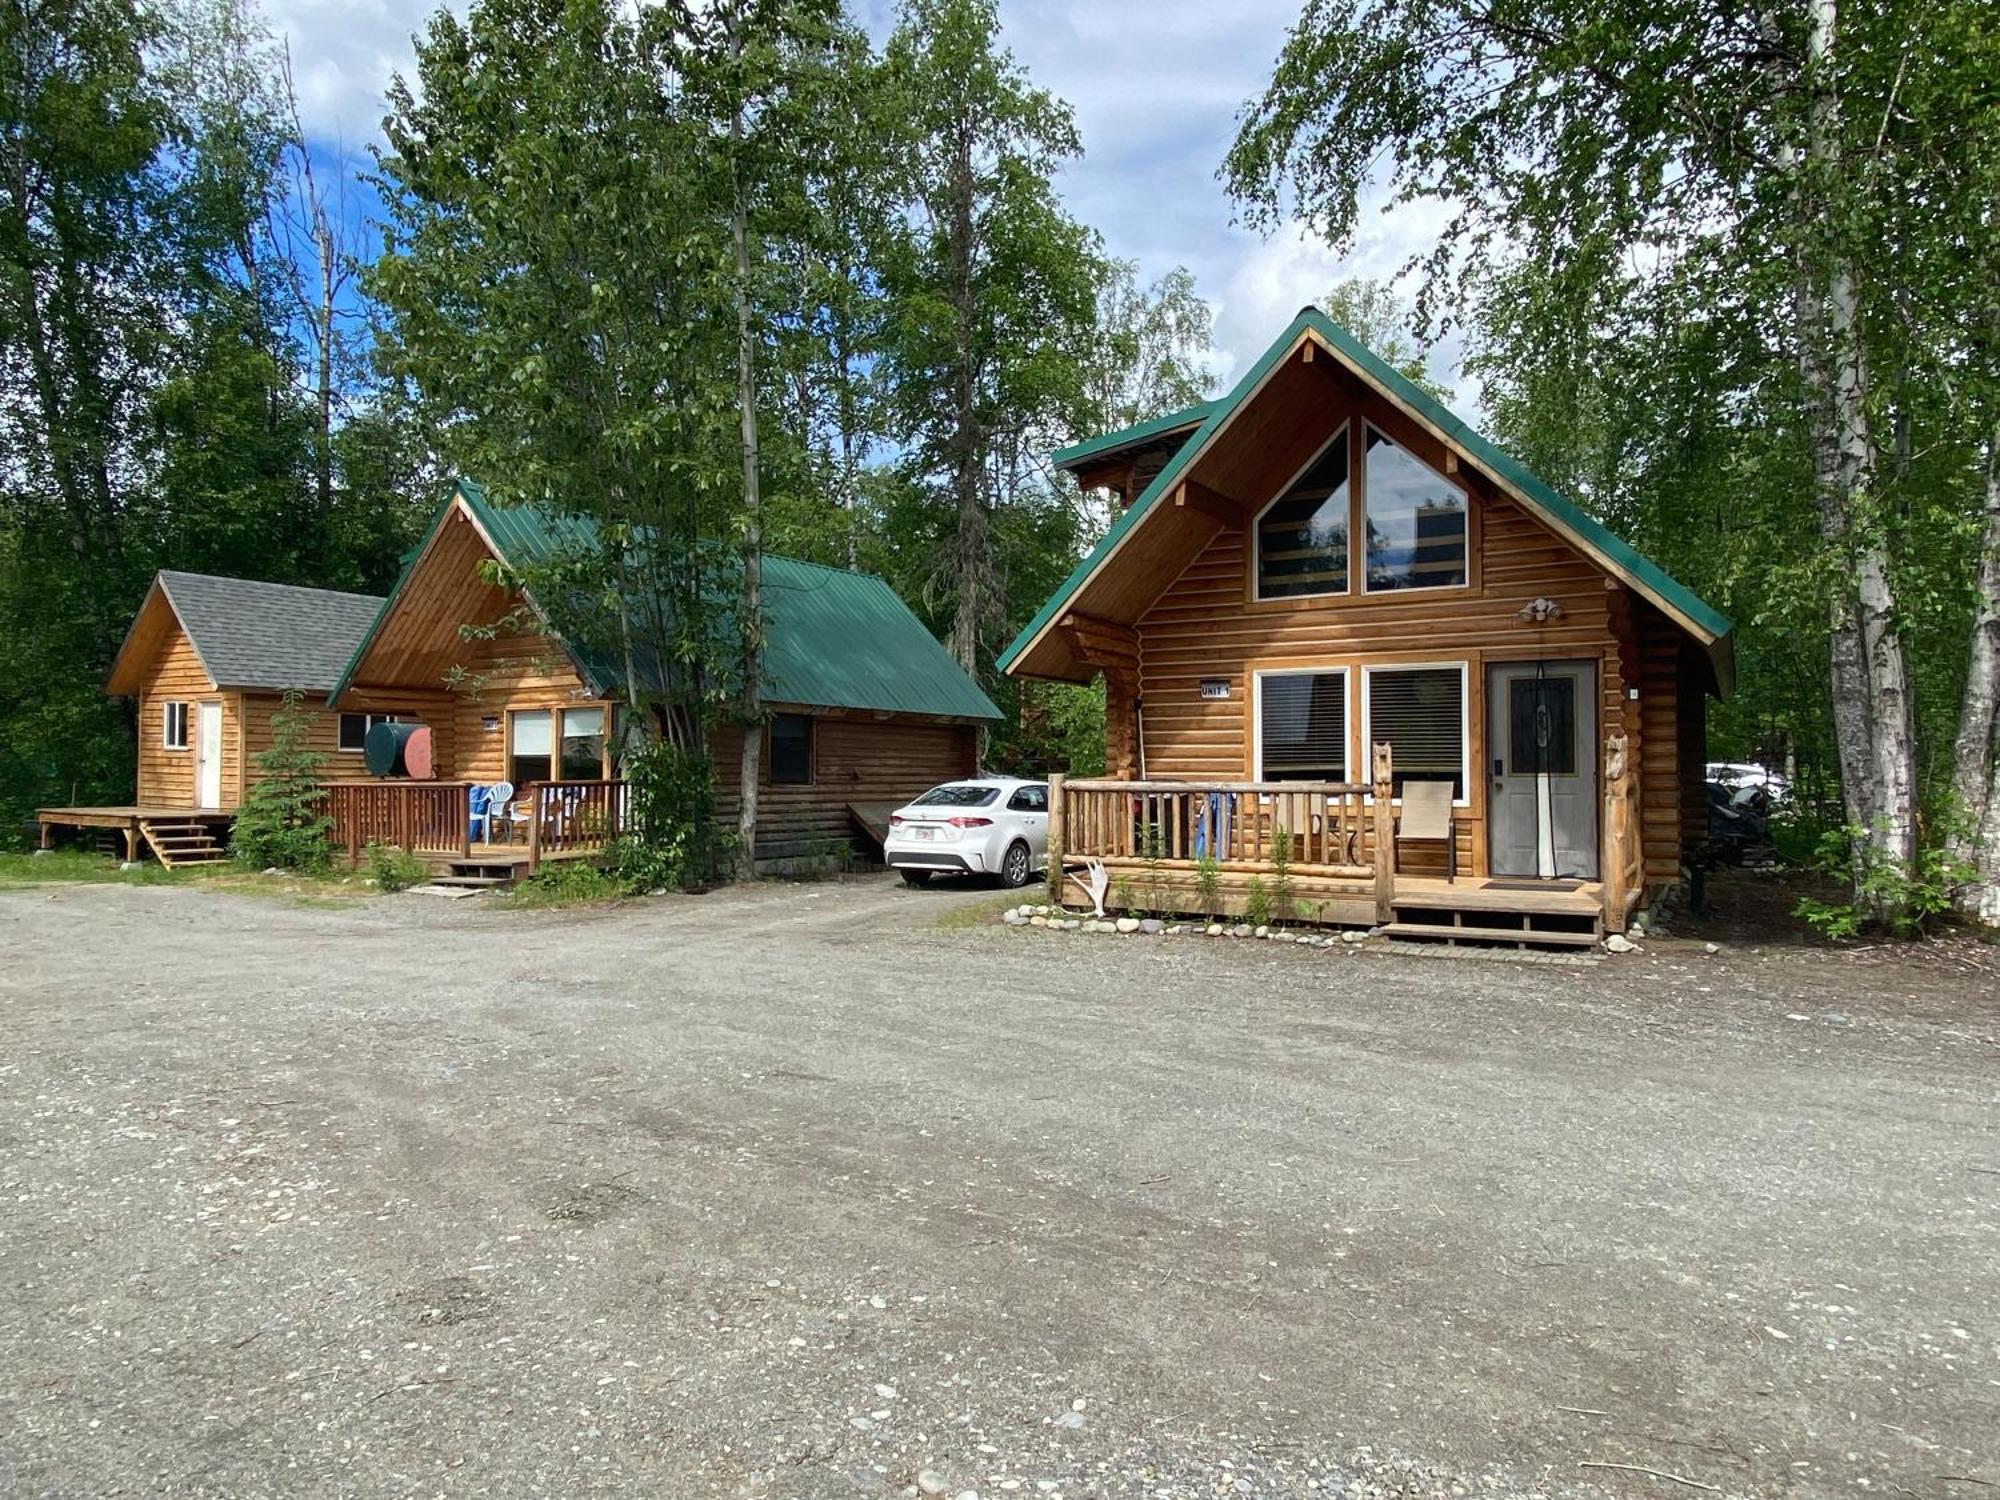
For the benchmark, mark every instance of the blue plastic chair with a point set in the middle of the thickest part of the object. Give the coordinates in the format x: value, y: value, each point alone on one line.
x: 481, y: 807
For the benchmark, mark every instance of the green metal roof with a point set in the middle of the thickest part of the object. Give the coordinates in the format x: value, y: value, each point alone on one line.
x: 1675, y: 598
x: 1126, y: 437
x: 832, y: 639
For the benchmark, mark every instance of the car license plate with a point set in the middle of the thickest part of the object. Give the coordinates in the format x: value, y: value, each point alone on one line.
x: 923, y: 833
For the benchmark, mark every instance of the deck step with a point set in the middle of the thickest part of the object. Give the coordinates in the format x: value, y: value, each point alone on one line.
x: 472, y: 882
x: 1531, y: 936
x: 1445, y: 897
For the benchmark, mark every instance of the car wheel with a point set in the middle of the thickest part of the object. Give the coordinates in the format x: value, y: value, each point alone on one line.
x: 916, y: 877
x: 1016, y: 867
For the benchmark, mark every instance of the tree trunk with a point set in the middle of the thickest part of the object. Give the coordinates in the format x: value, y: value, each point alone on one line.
x: 751, y: 612
x: 1874, y: 727
x: 971, y: 542
x: 1976, y: 755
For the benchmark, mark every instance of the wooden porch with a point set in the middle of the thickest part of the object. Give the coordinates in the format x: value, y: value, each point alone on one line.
x: 177, y: 836
x: 433, y: 820
x: 1329, y: 850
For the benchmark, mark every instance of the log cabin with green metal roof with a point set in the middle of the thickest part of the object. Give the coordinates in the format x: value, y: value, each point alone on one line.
x: 1351, y: 646
x: 866, y: 708
x: 421, y: 709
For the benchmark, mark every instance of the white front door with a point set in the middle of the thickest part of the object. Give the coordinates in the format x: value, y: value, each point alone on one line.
x: 1541, y: 748
x: 208, y: 755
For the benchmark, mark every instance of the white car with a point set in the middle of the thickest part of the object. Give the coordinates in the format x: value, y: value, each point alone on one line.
x: 1741, y: 778
x: 987, y: 825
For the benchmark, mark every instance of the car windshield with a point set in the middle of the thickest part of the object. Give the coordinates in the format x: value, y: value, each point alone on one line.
x: 957, y: 795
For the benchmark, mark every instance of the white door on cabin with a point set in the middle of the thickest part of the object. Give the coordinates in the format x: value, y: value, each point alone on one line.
x: 208, y: 755
x: 1541, y: 751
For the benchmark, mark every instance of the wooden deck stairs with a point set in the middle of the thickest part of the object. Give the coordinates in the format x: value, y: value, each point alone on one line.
x: 477, y: 872
x: 1484, y: 913
x: 181, y: 844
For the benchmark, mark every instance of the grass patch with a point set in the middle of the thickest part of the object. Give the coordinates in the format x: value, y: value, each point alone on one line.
x: 80, y: 867
x: 980, y: 913
x: 569, y: 882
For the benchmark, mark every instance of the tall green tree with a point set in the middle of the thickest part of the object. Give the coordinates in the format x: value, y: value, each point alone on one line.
x: 991, y: 287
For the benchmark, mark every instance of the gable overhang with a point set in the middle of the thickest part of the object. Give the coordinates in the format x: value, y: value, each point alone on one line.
x: 158, y: 615
x: 459, y: 503
x: 1043, y: 650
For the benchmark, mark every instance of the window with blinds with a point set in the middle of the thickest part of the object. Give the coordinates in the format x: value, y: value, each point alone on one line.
x: 1302, y: 726
x: 1420, y: 711
x: 1302, y: 535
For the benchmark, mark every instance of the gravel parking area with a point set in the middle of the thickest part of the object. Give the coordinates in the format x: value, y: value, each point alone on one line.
x: 798, y: 1192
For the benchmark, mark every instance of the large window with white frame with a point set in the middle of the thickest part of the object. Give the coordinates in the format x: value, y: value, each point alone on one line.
x: 1415, y: 521
x: 1301, y: 536
x: 1302, y: 725
x: 1421, y: 712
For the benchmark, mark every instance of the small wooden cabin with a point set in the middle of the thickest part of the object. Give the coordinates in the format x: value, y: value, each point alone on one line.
x: 210, y: 660
x: 1325, y: 586
x: 866, y: 708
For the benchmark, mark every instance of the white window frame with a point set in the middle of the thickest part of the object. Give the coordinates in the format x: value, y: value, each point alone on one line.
x: 167, y: 716
x: 1464, y: 670
x: 1464, y: 494
x: 368, y: 722
x: 1257, y: 528
x: 1257, y: 677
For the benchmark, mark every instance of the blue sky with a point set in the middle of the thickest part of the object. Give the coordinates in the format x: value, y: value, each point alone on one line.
x: 1156, y: 86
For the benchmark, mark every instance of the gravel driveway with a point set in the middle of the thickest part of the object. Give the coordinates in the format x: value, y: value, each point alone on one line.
x: 796, y: 1192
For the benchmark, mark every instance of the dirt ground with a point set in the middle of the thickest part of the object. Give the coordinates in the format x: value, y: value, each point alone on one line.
x: 805, y: 1192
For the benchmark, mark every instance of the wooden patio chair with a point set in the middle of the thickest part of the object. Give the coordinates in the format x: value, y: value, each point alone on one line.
x: 1427, y: 818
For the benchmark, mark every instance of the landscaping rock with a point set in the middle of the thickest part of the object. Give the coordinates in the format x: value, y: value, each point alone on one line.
x: 1262, y: 932
x: 1072, y: 925
x: 1214, y: 929
x: 1617, y: 942
x: 1128, y: 924
x: 1353, y: 935
x: 1241, y: 929
x: 930, y: 1482
x: 1015, y: 919
x: 1152, y: 925
x: 1038, y: 921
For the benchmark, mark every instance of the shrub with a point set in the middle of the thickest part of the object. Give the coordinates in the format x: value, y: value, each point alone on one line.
x: 283, y: 820
x: 672, y: 839
x: 1905, y: 902
x: 570, y: 882
x: 1284, y: 906
x: 395, y: 869
x: 1256, y: 902
x: 1208, y: 884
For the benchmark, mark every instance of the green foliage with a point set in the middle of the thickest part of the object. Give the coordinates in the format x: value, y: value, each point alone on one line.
x: 1256, y: 902
x: 569, y: 882
x: 1208, y: 884
x: 673, y: 838
x: 1152, y: 853
x: 283, y: 822
x: 1284, y: 903
x: 1905, y: 902
x: 1124, y: 897
x: 394, y: 869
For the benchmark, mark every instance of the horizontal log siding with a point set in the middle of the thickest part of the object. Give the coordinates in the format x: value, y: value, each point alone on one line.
x: 437, y: 709
x: 854, y: 760
x: 1205, y: 625
x: 166, y: 777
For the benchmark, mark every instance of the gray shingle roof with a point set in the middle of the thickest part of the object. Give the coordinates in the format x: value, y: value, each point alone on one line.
x: 269, y: 635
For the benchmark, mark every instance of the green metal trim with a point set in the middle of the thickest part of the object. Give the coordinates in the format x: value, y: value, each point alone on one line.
x: 1124, y: 437
x: 1654, y: 580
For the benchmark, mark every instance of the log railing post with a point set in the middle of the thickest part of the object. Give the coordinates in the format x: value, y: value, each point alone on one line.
x: 1058, y: 834
x: 1617, y: 854
x: 534, y: 830
x: 1385, y: 834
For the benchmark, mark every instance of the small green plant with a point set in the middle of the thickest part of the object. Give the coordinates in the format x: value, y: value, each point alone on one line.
x: 1152, y: 852
x: 282, y: 822
x: 1905, y: 902
x: 1256, y: 902
x: 1208, y: 884
x: 1121, y: 894
x: 1284, y: 905
x: 569, y: 882
x: 395, y: 869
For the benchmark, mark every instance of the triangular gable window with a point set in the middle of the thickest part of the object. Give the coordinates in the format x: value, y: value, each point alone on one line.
x: 1302, y: 535
x: 1416, y: 521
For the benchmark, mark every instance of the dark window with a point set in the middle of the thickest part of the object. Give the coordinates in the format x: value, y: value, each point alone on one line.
x: 1420, y: 711
x: 1302, y: 722
x: 529, y: 746
x: 1416, y: 521
x: 352, y: 731
x: 1029, y: 799
x: 1302, y: 537
x: 791, y: 749
x: 1541, y: 723
x: 957, y: 794
x: 583, y: 744
x: 174, y: 727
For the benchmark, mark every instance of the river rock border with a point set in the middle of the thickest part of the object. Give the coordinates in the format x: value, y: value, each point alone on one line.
x: 1059, y: 919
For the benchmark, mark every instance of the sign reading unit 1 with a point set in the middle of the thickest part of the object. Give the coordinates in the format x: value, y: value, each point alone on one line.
x: 1215, y: 687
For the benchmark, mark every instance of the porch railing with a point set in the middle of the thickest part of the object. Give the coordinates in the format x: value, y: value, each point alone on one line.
x: 547, y: 819
x: 1329, y: 831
